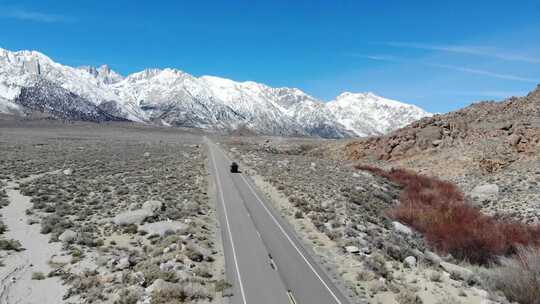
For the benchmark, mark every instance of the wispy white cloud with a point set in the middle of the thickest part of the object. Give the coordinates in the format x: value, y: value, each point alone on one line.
x: 483, y: 72
x: 489, y: 93
x: 376, y: 57
x: 453, y: 67
x: 484, y: 51
x: 30, y: 15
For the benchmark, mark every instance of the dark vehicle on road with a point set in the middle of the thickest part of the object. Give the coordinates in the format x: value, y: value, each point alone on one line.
x: 234, y: 167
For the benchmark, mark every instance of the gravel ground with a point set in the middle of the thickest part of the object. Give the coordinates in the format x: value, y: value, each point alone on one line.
x: 128, y: 205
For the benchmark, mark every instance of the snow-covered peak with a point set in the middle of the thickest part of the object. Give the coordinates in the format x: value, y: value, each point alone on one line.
x: 162, y: 75
x: 19, y: 57
x: 24, y: 69
x: 369, y: 114
x: 179, y: 99
x: 103, y: 73
x: 219, y: 82
x: 366, y: 98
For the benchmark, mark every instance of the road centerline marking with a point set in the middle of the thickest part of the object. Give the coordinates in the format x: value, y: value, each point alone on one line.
x: 287, y: 236
x: 292, y: 242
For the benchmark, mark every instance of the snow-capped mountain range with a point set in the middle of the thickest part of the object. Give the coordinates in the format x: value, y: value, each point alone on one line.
x: 31, y: 81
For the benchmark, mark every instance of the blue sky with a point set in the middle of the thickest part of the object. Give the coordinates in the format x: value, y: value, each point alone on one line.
x: 440, y: 55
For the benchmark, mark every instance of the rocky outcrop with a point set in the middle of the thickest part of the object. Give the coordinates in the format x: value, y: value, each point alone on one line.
x: 512, y: 126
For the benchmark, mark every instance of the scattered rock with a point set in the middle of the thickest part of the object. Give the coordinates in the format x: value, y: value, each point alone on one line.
x: 160, y: 285
x: 123, y: 263
x: 61, y: 259
x: 513, y: 140
x: 426, y: 136
x: 162, y: 228
x: 132, y: 217
x: 399, y: 227
x: 433, y: 258
x: 167, y: 266
x: 410, y: 261
x: 68, y: 171
x: 507, y: 126
x: 67, y: 236
x: 487, y: 192
x: 457, y: 271
x: 152, y: 205
x: 352, y: 249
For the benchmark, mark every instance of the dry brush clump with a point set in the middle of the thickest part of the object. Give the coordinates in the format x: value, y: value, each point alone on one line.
x: 518, y: 277
x: 439, y: 210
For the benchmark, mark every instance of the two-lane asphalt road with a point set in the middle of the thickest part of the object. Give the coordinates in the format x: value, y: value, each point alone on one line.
x: 265, y: 261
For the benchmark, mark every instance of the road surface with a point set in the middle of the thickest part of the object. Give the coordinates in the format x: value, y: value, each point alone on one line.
x: 266, y: 263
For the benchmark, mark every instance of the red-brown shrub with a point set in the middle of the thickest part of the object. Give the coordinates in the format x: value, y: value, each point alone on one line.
x: 439, y: 211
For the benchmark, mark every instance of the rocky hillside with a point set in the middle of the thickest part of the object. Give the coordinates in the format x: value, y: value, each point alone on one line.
x: 506, y: 129
x: 489, y: 149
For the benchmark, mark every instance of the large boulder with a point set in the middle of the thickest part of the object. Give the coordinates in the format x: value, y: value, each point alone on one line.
x: 426, y: 136
x: 456, y: 271
x: 399, y: 227
x: 163, y: 228
x: 132, y: 217
x: 433, y: 258
x: 410, y: 261
x: 152, y: 205
x: 513, y: 140
x: 123, y: 263
x: 68, y: 236
x: 352, y: 249
x: 487, y: 192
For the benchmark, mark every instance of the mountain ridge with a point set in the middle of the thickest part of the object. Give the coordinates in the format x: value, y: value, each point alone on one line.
x: 178, y: 98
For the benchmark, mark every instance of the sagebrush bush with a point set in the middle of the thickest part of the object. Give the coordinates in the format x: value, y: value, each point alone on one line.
x: 408, y: 297
x: 518, y: 277
x: 377, y: 263
x: 170, y: 295
x: 127, y: 296
x: 152, y: 272
x: 10, y: 245
x: 55, y: 224
x: 38, y: 275
x: 439, y: 210
x: 221, y: 285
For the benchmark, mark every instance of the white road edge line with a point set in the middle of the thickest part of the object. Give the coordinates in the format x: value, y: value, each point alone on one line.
x: 291, y: 241
x: 228, y: 228
x: 288, y: 237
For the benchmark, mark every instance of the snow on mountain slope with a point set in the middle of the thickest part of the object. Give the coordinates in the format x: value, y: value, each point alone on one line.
x: 103, y: 73
x: 368, y: 114
x: 175, y: 98
x: 318, y: 120
x: 9, y: 107
x: 18, y: 68
x: 48, y: 97
x: 257, y: 103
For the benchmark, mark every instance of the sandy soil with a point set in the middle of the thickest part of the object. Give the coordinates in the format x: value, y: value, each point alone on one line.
x: 17, y: 285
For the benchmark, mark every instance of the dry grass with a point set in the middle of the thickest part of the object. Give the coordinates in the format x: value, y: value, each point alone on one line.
x: 518, y: 277
x: 439, y: 211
